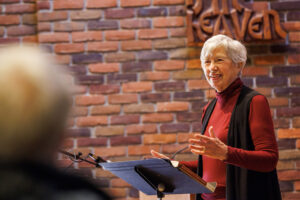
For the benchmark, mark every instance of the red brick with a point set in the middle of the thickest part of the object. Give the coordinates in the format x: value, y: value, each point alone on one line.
x: 189, y: 74
x: 20, y: 8
x: 89, y: 100
x: 30, y: 39
x: 157, y: 117
x: 87, y: 36
x: 278, y: 102
x: 184, y: 137
x: 288, y: 133
x: 125, y: 119
x: 198, y: 84
x: 119, y: 13
x: 134, y: 3
x: 193, y: 64
x: 62, y: 59
x: 116, y: 193
x: 178, y: 32
x: 67, y: 4
x: 141, y: 150
x: 162, y: 22
x: 172, y: 148
x: 117, y: 182
x: 260, y: 6
x: 136, y: 45
x: 104, y: 89
x: 92, y: 121
x: 29, y: 19
x: 265, y: 91
x: 80, y: 89
x: 138, y: 108
x: 20, y: 30
x: 137, y: 87
x: 159, y: 138
x: 101, y: 4
x: 52, y: 16
x: 139, y: 129
x: 169, y: 43
x: 119, y: 35
x: 102, y: 46
x: 79, y: 111
x: 166, y: 65
x: 101, y: 173
x: 68, y: 143
x: 125, y: 140
x: 296, y: 122
x: 109, y: 131
x: 269, y: 60
x: 294, y: 58
x: 122, y: 98
x: 154, y: 76
x: 86, y: 15
x: 68, y: 26
x: 91, y: 142
x: 110, y: 152
x: 256, y: 71
x: 135, y: 23
x: 294, y: 36
x: 120, y: 57
x: 69, y: 48
x: 105, y: 110
x: 44, y: 26
x: 210, y: 94
x: 9, y: 1
x: 295, y: 80
x: 290, y: 195
x: 291, y: 26
x: 43, y: 5
x: 152, y: 33
x: 172, y: 106
x: 168, y: 2
x: 53, y: 37
x: 104, y: 67
x: 289, y: 175
x: 1, y: 31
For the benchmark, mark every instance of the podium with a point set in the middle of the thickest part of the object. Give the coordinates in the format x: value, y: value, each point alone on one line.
x: 168, y: 197
x: 159, y: 177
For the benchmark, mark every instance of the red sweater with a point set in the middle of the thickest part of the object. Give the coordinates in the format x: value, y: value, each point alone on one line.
x: 262, y: 132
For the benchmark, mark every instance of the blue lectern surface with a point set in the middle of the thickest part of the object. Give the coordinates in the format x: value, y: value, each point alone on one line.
x: 160, y: 169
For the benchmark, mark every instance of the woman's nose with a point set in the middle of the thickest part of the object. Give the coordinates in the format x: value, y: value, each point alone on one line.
x: 212, y: 66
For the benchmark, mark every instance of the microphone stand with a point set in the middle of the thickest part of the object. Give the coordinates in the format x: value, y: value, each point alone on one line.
x: 76, y: 157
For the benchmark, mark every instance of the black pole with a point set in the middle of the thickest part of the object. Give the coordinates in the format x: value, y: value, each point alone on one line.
x: 78, y: 157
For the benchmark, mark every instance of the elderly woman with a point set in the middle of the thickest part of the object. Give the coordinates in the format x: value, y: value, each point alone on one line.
x: 237, y: 147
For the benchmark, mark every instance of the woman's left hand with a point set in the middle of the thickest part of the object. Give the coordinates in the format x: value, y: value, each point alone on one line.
x: 208, y: 146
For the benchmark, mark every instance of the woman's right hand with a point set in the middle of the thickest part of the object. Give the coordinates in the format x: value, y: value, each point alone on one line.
x: 155, y: 154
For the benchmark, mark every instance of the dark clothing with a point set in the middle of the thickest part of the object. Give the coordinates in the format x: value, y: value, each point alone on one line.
x: 35, y: 181
x: 242, y: 183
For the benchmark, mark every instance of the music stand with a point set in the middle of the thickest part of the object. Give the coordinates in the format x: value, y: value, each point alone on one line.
x: 157, y: 177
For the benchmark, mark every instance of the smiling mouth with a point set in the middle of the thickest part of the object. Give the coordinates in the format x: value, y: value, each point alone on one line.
x: 214, y: 76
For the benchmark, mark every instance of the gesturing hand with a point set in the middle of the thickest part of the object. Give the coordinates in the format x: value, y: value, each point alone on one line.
x: 208, y: 146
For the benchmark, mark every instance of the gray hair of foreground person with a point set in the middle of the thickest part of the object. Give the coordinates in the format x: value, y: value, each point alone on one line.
x: 35, y: 100
x: 236, y: 51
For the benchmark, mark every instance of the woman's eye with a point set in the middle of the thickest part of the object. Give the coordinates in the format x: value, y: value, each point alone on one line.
x: 219, y: 60
x: 207, y: 62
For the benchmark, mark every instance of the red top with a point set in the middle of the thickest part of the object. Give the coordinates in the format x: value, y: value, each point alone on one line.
x: 265, y: 156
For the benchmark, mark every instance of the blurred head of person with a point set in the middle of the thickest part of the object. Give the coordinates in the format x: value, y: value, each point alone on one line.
x: 34, y: 104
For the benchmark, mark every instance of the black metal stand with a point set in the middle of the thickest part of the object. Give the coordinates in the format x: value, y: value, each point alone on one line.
x: 158, y: 183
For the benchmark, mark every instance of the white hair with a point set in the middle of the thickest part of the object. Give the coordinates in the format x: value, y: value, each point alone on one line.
x: 34, y: 100
x: 235, y: 50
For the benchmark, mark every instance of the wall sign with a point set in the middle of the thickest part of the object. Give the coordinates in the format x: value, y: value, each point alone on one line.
x: 229, y: 17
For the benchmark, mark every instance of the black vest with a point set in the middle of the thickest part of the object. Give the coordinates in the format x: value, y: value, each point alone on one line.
x: 241, y: 183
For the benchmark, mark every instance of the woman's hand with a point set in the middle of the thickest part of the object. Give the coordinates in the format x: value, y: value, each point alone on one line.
x: 208, y: 146
x: 155, y: 154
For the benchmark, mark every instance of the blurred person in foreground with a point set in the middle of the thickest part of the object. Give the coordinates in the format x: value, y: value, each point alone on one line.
x: 34, y: 104
x: 237, y: 147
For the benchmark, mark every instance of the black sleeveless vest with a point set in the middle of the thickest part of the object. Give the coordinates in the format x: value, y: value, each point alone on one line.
x: 241, y: 183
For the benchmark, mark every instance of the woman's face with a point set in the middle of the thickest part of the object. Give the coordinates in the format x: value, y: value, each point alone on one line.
x: 220, y: 71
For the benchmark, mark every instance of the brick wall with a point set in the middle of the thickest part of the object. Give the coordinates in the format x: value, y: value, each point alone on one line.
x: 141, y: 87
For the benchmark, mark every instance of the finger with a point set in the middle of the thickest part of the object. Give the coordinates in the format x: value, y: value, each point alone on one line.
x: 202, y: 137
x: 158, y: 155
x: 211, y: 132
x: 196, y: 141
x: 197, y: 147
x: 197, y: 152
